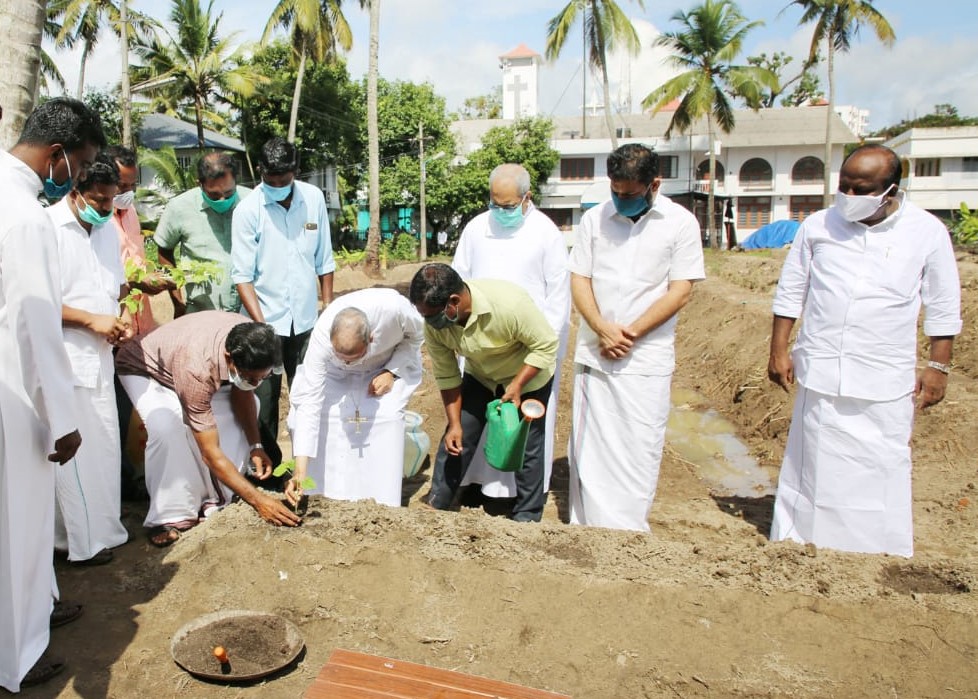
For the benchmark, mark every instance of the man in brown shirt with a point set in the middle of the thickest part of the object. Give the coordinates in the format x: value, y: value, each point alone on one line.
x: 191, y: 382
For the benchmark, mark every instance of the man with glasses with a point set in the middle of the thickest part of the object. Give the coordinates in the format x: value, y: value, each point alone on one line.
x: 632, y: 270
x: 349, y: 396
x: 516, y: 242
x: 192, y: 382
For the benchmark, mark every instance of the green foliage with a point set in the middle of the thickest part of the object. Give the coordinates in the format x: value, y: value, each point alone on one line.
x: 187, y: 270
x: 347, y: 258
x: 943, y: 115
x: 487, y: 106
x: 405, y: 247
x: 807, y: 89
x: 306, y: 483
x: 170, y: 176
x: 964, y: 229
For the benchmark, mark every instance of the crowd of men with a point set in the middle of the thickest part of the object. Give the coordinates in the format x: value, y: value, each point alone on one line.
x: 78, y: 360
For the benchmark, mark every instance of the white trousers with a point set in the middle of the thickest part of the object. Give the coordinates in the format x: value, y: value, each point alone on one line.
x: 845, y: 481
x: 88, y: 499
x: 617, y: 433
x: 182, y: 490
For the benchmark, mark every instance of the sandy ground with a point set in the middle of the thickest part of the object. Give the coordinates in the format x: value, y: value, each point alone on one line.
x: 704, y: 606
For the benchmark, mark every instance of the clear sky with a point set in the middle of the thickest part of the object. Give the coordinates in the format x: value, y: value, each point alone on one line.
x: 455, y: 44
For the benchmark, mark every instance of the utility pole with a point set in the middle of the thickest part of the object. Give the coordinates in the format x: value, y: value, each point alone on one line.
x: 124, y: 82
x: 422, y: 240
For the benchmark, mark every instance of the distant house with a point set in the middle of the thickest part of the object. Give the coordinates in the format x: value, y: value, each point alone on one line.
x: 940, y: 167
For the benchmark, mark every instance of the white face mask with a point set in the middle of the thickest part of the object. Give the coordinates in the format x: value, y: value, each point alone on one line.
x: 240, y: 382
x: 124, y: 200
x: 857, y: 207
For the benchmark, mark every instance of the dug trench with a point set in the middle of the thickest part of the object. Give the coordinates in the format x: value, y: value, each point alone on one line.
x: 703, y: 606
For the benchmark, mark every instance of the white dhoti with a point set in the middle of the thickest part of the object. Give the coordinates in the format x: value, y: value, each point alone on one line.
x: 182, y: 490
x: 357, y: 459
x: 845, y: 482
x: 88, y: 498
x: 617, y: 434
x: 26, y: 536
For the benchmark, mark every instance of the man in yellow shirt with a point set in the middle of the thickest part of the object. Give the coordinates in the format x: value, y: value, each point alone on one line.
x: 510, y: 353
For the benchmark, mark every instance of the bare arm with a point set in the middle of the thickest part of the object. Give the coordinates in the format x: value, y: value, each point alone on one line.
x: 451, y: 398
x: 780, y: 368
x: 102, y: 324
x: 514, y: 390
x: 326, y: 288
x: 932, y: 383
x: 249, y: 299
x: 176, y: 295
x: 612, y: 337
x: 677, y: 295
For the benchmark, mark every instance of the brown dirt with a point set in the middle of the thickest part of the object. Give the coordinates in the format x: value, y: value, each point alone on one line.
x: 705, y: 606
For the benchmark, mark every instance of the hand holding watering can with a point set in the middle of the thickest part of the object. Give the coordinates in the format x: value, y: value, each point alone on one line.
x: 506, y: 433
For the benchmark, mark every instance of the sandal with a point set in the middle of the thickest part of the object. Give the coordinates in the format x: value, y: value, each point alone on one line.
x: 163, y: 535
x: 46, y: 667
x: 101, y: 558
x: 64, y: 613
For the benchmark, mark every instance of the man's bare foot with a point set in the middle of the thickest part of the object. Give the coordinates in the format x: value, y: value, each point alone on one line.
x: 163, y: 536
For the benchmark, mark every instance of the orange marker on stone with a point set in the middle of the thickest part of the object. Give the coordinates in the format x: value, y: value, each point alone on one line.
x: 221, y: 655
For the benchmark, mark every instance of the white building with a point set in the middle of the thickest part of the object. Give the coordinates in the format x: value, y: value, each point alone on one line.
x: 940, y: 167
x: 521, y: 87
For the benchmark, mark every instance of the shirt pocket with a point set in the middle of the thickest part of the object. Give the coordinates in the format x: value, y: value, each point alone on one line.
x: 901, y: 274
x: 309, y: 238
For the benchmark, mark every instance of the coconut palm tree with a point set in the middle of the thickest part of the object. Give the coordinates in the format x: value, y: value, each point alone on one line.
x: 710, y: 39
x: 196, y: 67
x: 317, y: 29
x: 21, y: 27
x: 605, y: 28
x: 372, y: 262
x: 837, y: 23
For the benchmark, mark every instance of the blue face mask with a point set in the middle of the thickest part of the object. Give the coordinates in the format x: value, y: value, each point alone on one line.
x: 508, y: 217
x: 91, y: 215
x: 53, y: 190
x: 632, y: 206
x: 277, y: 193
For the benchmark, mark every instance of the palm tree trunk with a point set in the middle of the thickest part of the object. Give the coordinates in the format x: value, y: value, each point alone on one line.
x: 373, y: 144
x: 86, y: 50
x: 297, y: 93
x: 21, y: 26
x: 827, y: 173
x: 711, y: 229
x: 199, y: 114
x: 604, y: 79
x: 126, y: 95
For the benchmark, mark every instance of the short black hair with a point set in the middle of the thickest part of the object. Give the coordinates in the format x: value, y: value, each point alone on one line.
x: 434, y: 283
x: 63, y: 120
x: 103, y: 171
x: 278, y: 156
x: 895, y: 172
x: 216, y: 164
x: 634, y: 162
x: 126, y: 157
x: 254, y: 346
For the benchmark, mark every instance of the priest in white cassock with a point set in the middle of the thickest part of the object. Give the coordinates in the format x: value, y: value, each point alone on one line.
x: 518, y: 243
x: 59, y: 140
x: 857, y: 275
x: 88, y: 501
x: 347, y: 403
x: 632, y: 270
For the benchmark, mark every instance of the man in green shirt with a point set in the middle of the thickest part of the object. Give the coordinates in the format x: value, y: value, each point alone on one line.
x: 510, y: 353
x: 199, y: 221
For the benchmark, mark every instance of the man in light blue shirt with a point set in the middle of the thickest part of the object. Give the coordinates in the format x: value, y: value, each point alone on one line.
x: 281, y: 261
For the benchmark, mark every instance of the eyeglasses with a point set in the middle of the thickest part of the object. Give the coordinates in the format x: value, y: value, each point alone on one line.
x: 507, y: 207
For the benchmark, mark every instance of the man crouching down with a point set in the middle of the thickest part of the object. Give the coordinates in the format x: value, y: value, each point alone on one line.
x: 191, y: 382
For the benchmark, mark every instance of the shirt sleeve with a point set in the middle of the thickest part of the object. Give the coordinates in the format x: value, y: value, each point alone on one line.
x: 789, y: 298
x: 535, y: 333
x: 308, y: 392
x: 244, y: 240
x: 687, y: 256
x: 324, y: 252
x: 557, y: 300
x: 168, y: 233
x: 940, y: 289
x: 406, y: 359
x: 581, y: 256
x: 444, y: 362
x: 462, y: 262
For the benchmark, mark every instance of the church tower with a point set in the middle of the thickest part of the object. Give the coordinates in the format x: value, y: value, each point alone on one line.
x: 521, y: 68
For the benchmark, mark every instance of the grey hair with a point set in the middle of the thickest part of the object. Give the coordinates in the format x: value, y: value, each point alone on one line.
x: 512, y: 171
x: 350, y: 324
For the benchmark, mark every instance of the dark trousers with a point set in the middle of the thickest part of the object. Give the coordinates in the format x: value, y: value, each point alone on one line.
x: 269, y: 392
x: 449, y: 470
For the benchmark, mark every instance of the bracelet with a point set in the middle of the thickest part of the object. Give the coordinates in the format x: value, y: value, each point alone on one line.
x: 255, y: 446
x: 943, y: 368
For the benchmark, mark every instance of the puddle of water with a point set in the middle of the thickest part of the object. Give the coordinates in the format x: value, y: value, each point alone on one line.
x: 706, y: 439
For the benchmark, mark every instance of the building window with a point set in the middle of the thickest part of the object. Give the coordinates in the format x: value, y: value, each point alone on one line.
x: 668, y: 167
x: 927, y: 167
x: 756, y: 173
x: 562, y: 218
x: 753, y: 212
x: 804, y: 206
x: 186, y: 162
x: 808, y: 170
x: 577, y: 168
x: 969, y: 163
x: 703, y: 171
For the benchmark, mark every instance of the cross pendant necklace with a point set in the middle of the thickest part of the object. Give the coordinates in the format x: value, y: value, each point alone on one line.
x: 357, y: 419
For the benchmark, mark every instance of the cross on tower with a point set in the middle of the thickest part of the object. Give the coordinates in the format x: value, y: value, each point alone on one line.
x: 516, y: 88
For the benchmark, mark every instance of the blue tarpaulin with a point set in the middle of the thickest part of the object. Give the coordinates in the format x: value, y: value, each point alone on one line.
x: 774, y: 235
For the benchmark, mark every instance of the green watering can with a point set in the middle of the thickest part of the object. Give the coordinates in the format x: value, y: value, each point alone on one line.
x: 506, y: 432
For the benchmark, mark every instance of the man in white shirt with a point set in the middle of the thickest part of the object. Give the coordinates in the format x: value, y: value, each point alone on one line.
x: 59, y: 142
x: 632, y: 270
x: 516, y: 242
x: 348, y: 399
x: 87, y: 523
x: 856, y: 275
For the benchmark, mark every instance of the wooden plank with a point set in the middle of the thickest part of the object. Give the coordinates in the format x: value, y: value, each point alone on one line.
x: 352, y: 675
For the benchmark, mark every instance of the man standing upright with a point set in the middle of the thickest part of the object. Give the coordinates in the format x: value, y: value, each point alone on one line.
x: 516, y: 242
x: 632, y: 270
x: 198, y: 223
x: 282, y: 261
x: 856, y: 275
x: 59, y: 141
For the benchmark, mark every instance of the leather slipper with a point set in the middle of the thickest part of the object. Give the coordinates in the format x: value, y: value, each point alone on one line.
x: 46, y: 667
x: 99, y: 559
x: 64, y: 613
x: 163, y: 536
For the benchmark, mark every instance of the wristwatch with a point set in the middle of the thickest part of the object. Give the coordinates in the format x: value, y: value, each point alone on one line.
x: 254, y: 447
x: 943, y: 368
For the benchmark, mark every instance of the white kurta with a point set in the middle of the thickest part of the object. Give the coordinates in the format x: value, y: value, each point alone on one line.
x: 182, y: 490
x: 534, y: 256
x: 621, y: 405
x: 357, y: 460
x: 88, y: 488
x: 35, y: 409
x: 845, y: 481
